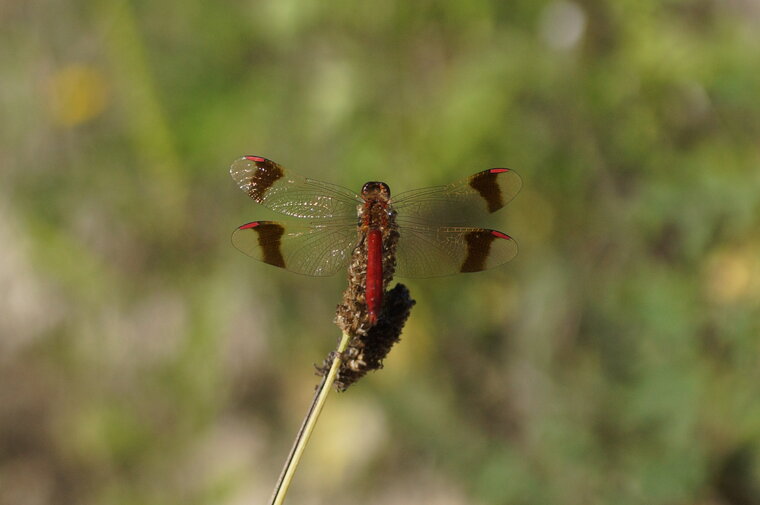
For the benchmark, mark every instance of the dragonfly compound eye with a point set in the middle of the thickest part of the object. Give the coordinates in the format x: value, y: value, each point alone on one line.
x: 371, y: 189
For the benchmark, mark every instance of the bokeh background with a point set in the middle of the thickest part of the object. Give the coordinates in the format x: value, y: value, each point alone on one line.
x: 143, y: 360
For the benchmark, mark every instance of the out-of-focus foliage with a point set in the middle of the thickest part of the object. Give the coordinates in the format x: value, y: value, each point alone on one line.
x: 143, y: 360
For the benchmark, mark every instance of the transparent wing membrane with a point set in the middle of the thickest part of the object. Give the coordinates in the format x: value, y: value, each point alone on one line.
x: 462, y: 201
x: 308, y: 249
x: 291, y: 194
x: 427, y: 251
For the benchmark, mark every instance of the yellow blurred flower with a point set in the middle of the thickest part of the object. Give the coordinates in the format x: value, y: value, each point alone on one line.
x: 76, y: 94
x: 731, y: 275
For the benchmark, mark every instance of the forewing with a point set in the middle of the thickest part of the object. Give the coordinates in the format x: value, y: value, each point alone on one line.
x: 315, y: 249
x: 426, y: 251
x: 291, y: 194
x: 462, y: 201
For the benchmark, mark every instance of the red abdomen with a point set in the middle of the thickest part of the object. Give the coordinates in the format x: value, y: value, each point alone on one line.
x: 374, y: 288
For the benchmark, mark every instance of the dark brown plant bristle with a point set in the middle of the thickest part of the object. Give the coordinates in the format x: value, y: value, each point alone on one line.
x: 366, y: 351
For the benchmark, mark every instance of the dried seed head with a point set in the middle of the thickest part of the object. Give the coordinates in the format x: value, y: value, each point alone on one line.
x: 366, y: 351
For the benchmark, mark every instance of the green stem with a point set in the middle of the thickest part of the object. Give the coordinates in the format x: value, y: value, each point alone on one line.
x: 307, y: 427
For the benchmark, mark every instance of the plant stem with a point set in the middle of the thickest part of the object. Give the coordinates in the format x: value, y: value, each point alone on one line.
x: 307, y: 427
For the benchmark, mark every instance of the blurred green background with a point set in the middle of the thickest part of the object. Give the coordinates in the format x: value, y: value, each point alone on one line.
x: 143, y: 360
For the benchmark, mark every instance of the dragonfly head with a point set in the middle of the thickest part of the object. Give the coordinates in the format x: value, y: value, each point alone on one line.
x: 375, y: 190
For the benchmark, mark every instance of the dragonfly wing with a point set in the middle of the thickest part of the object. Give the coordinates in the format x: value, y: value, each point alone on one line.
x: 282, y: 191
x: 428, y: 251
x: 314, y: 249
x: 475, y: 196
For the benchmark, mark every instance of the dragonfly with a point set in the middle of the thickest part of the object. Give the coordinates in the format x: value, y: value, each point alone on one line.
x: 424, y: 232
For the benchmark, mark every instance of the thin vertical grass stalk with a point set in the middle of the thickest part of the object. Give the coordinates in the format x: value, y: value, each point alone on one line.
x: 307, y: 427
